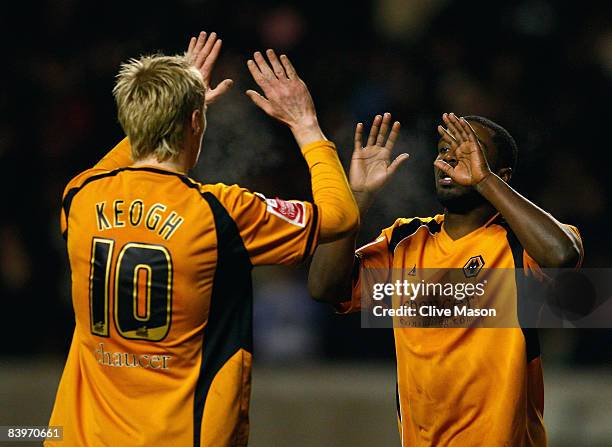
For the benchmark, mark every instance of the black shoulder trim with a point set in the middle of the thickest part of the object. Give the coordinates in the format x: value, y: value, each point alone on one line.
x: 230, y: 319
x: 403, y: 231
x: 525, y: 307
x: 68, y: 198
x: 67, y: 201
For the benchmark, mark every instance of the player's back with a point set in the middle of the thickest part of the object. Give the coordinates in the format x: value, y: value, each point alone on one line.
x: 161, y: 291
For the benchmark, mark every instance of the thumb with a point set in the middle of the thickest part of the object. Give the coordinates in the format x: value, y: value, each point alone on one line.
x: 401, y: 158
x: 213, y: 94
x: 223, y: 86
x: 259, y: 101
x: 444, y: 167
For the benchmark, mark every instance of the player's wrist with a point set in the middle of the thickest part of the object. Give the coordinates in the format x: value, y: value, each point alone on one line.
x: 307, y: 131
x: 482, y: 185
x: 364, y: 200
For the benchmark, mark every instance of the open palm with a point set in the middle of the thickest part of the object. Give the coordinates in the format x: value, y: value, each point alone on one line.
x: 371, y: 166
x: 203, y: 52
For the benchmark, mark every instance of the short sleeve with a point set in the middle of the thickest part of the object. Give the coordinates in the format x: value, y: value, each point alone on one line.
x: 274, y: 231
x: 375, y: 255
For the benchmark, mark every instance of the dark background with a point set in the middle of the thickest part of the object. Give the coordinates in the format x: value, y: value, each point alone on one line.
x: 540, y: 68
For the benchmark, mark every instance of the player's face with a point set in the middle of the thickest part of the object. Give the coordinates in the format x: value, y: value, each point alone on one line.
x: 455, y: 197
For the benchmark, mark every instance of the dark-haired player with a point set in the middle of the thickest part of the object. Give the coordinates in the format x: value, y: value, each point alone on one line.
x: 456, y: 386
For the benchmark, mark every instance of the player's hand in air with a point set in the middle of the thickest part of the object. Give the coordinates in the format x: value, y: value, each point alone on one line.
x: 203, y: 52
x: 371, y: 165
x: 469, y: 165
x: 285, y: 96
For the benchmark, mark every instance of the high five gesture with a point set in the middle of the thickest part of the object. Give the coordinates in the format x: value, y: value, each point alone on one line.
x: 203, y: 51
x: 371, y: 166
x: 285, y: 96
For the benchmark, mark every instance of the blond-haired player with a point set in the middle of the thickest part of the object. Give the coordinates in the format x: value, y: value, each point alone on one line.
x: 161, y: 286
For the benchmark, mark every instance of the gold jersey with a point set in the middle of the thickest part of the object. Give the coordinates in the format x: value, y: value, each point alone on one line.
x: 461, y: 387
x: 162, y: 295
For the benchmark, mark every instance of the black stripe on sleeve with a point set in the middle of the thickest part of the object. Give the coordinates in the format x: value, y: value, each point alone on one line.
x: 397, y: 402
x: 313, y: 230
x: 230, y: 320
x: 524, y: 306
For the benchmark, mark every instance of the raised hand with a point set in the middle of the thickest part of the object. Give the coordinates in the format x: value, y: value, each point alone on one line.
x: 203, y: 52
x: 371, y: 166
x: 471, y: 163
x: 285, y: 95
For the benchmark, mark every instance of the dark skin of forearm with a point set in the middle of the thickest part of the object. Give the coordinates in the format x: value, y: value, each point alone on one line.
x: 546, y: 240
x: 329, y: 277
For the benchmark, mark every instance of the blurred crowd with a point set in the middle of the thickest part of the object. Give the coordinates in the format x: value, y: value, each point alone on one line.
x: 540, y: 68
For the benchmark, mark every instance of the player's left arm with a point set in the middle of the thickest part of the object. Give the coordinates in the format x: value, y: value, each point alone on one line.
x: 203, y: 52
x: 549, y: 242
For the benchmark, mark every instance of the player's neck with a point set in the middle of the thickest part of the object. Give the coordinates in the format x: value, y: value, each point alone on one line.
x: 458, y: 225
x: 177, y: 165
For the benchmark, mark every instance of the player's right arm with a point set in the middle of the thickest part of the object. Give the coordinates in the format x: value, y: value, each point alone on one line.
x: 286, y: 98
x: 330, y: 278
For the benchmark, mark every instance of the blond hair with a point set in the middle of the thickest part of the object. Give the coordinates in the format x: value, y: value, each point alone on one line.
x: 156, y: 96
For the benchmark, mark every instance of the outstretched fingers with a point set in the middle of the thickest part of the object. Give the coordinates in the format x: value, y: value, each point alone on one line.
x: 192, y: 43
x: 446, y: 136
x: 384, y: 128
x: 195, y: 45
x: 469, y: 130
x: 263, y: 66
x: 203, y: 49
x: 278, y: 68
x: 464, y: 135
x: 358, y: 137
x: 393, y: 135
x: 207, y: 64
x: 451, y: 127
x: 256, y: 72
x: 374, y: 130
x: 291, y: 73
x: 458, y: 128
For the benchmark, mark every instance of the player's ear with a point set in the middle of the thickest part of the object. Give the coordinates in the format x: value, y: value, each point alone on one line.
x: 505, y: 174
x: 197, y: 121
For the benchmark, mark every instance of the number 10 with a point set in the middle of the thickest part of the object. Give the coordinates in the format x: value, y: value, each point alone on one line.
x: 141, y: 271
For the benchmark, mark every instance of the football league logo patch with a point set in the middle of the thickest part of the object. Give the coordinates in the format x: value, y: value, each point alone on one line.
x: 473, y: 266
x: 290, y: 211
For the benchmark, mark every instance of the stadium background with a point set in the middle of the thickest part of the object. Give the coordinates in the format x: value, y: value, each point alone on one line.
x: 540, y: 68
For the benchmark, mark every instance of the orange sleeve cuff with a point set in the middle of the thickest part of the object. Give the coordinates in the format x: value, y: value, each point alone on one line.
x: 332, y: 194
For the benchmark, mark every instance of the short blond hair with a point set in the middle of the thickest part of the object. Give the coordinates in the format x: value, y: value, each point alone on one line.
x: 156, y: 96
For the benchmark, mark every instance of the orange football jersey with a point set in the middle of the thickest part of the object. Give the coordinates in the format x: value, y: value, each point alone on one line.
x: 461, y: 387
x: 161, y: 289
